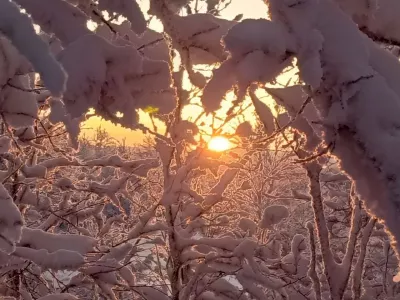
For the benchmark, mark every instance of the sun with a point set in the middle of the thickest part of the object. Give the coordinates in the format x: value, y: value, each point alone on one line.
x: 219, y: 144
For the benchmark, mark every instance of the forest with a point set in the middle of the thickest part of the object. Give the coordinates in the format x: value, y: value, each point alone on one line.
x: 268, y: 167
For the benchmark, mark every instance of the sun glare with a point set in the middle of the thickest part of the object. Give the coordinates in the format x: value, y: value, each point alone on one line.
x: 219, y: 144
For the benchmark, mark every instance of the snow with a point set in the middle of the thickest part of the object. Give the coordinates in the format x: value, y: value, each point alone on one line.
x: 58, y: 114
x: 19, y: 29
x: 118, y: 253
x: 39, y: 239
x: 224, y: 288
x: 347, y: 98
x: 264, y: 113
x: 10, y: 60
x: 292, y: 98
x: 110, y: 189
x: 58, y: 260
x: 385, y: 64
x: 273, y: 214
x: 379, y: 17
x: 37, y: 171
x: 152, y: 293
x: 128, y: 276
x: 139, y: 167
x: 61, y: 161
x: 139, y: 227
x: 355, y: 101
x: 245, y: 38
x: 89, y: 212
x: 272, y: 250
x: 26, y: 196
x: 26, y: 134
x: 248, y: 225
x: 19, y: 108
x: 333, y: 205
x: 5, y: 144
x: 107, y: 226
x: 246, y: 248
x: 192, y: 210
x: 103, y: 271
x: 309, y: 64
x: 52, y: 15
x: 63, y: 296
x: 244, y: 130
x: 150, y: 44
x: 127, y: 8
x: 64, y: 183
x: 222, y: 81
x: 248, y: 56
x: 10, y: 222
x: 185, y: 131
x: 113, y: 79
x: 87, y: 72
x: 201, y: 34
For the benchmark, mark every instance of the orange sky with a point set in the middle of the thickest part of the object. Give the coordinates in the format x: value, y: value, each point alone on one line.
x: 249, y: 8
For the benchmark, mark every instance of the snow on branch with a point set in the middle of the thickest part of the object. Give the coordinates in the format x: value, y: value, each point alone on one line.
x: 19, y: 29
x: 63, y: 296
x: 377, y: 19
x: 248, y: 57
x: 139, y: 167
x: 360, y: 127
x: 59, y: 260
x: 39, y: 239
x: 127, y: 8
x: 114, y: 79
x: 53, y: 17
x: 11, y: 222
x: 273, y: 215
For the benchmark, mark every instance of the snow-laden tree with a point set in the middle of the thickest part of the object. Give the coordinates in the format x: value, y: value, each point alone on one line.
x: 101, y: 55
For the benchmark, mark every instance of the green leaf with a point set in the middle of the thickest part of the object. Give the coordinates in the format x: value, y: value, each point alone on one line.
x: 151, y: 109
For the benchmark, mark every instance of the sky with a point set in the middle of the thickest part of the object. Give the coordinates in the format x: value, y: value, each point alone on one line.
x: 249, y: 8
